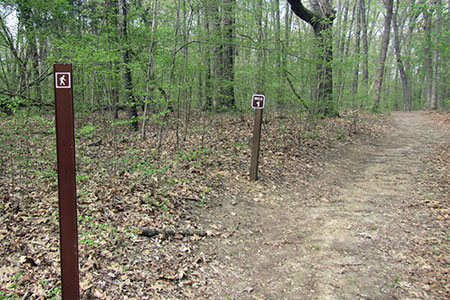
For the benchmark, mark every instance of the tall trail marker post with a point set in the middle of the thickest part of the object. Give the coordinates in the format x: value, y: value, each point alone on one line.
x: 258, y: 103
x: 65, y: 144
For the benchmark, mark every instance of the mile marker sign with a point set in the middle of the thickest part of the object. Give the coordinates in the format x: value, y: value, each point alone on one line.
x: 258, y: 101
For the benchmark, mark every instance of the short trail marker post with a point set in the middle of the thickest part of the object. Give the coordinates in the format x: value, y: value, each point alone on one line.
x: 258, y: 103
x: 65, y: 144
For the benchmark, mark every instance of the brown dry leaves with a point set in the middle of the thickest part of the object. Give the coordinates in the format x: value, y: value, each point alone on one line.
x: 122, y: 187
x: 431, y: 255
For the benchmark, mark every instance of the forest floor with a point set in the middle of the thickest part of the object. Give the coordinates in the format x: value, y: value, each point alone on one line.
x: 373, y: 224
x: 335, y: 215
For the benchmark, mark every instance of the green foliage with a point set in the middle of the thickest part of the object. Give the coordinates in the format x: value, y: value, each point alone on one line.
x: 178, y: 69
x: 54, y: 292
x: 151, y: 168
x: 311, y: 135
x: 16, y: 280
x: 86, y: 131
x: 193, y: 155
x: 4, y: 296
x: 10, y: 106
x: 341, y: 134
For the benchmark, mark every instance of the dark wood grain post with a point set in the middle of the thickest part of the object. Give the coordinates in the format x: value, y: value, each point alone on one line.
x: 65, y: 144
x: 258, y: 102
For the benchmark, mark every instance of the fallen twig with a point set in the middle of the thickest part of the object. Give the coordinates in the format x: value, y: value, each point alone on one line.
x: 150, y: 232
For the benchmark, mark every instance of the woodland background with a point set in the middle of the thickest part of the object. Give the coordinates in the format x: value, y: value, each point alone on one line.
x: 166, y: 56
x: 163, y: 122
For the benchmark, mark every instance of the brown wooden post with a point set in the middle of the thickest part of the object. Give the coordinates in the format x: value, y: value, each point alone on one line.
x: 65, y: 144
x: 258, y: 102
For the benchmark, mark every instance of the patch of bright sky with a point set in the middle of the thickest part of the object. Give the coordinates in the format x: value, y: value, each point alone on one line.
x: 9, y: 14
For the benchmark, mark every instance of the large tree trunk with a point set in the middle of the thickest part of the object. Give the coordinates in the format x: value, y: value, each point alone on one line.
x: 227, y: 97
x: 383, y: 53
x: 321, y: 19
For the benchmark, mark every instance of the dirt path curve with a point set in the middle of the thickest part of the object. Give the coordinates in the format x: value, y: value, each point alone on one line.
x: 347, y: 234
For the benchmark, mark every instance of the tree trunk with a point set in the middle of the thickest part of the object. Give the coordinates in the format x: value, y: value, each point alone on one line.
x: 129, y: 95
x: 286, y: 42
x: 345, y: 53
x: 279, y: 91
x: 168, y: 95
x: 357, y: 52
x: 218, y: 50
x: 201, y: 51
x: 383, y: 53
x: 260, y: 82
x: 112, y: 7
x: 409, y: 45
x: 227, y: 97
x: 435, y: 58
x: 150, y: 64
x: 341, y: 35
x: 208, y: 61
x: 400, y: 65
x: 321, y: 19
x: 365, y: 56
x: 428, y: 56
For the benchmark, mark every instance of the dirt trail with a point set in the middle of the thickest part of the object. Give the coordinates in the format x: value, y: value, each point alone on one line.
x: 347, y: 234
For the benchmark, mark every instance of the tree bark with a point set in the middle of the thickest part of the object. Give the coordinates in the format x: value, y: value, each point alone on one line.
x: 400, y: 64
x: 150, y: 66
x: 129, y: 95
x: 260, y: 82
x: 357, y: 52
x: 227, y: 97
x: 279, y: 91
x: 112, y: 7
x: 413, y: 14
x: 286, y: 41
x: 365, y: 56
x: 435, y: 58
x: 208, y: 61
x: 218, y: 50
x: 321, y: 19
x: 383, y: 53
x: 345, y: 53
x: 428, y: 56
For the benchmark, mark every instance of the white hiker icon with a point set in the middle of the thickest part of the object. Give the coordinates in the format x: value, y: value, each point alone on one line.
x: 62, y: 80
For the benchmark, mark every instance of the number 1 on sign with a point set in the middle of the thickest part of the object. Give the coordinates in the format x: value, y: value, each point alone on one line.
x: 258, y: 101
